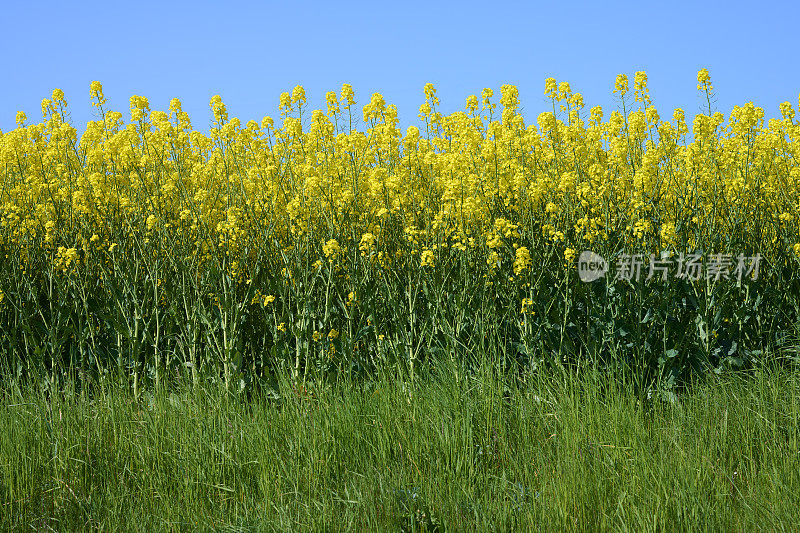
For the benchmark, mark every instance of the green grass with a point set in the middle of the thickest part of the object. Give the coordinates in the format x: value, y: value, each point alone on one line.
x: 453, y: 451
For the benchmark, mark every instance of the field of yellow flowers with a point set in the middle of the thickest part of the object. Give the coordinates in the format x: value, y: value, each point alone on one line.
x: 336, y: 242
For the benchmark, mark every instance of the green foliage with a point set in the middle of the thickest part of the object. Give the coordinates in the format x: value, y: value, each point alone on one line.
x: 147, y: 315
x: 451, y: 450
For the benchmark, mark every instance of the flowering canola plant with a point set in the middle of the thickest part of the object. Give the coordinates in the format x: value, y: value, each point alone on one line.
x: 320, y: 206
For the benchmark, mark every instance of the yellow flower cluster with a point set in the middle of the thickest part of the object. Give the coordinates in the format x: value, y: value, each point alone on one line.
x: 522, y: 261
x: 331, y: 249
x: 426, y: 258
x: 527, y: 305
x: 471, y: 182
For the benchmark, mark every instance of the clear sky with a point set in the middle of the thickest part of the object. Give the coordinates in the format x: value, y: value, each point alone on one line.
x: 250, y: 52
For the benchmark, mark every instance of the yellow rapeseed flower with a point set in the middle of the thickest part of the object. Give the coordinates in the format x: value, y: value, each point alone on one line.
x: 527, y: 304
x: 367, y: 243
x: 426, y: 259
x: 621, y: 84
x: 550, y: 88
x: 523, y: 260
x: 704, y: 80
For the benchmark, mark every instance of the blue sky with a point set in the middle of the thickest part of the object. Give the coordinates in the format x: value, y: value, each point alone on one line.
x: 250, y: 52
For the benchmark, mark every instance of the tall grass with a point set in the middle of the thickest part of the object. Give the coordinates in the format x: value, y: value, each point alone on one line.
x: 454, y: 450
